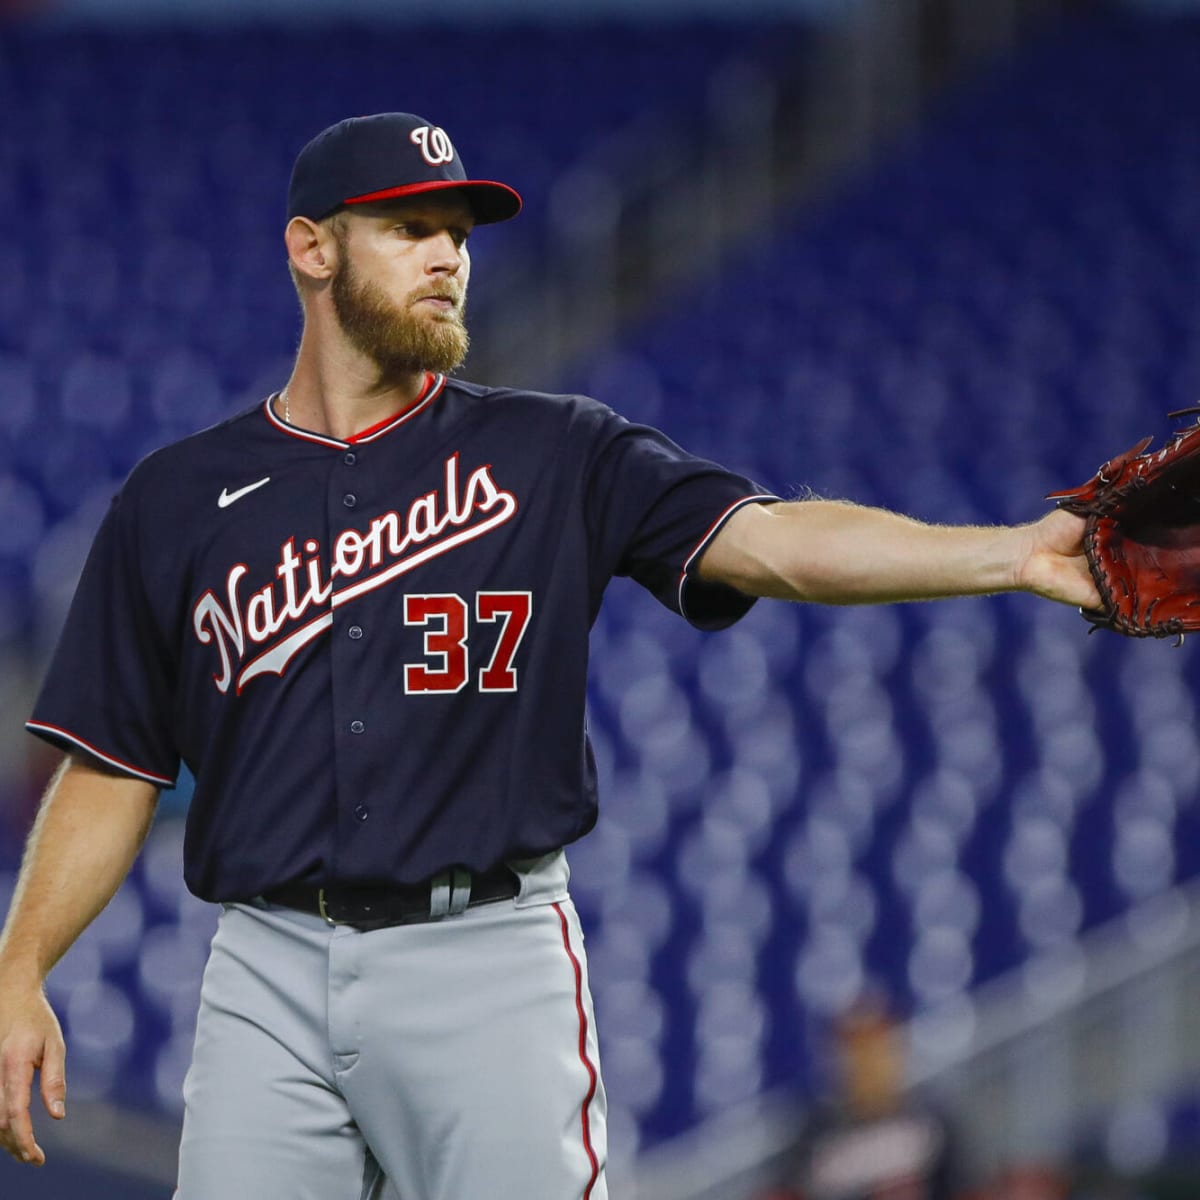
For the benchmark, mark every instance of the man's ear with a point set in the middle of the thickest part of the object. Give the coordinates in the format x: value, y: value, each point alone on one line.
x: 312, y: 248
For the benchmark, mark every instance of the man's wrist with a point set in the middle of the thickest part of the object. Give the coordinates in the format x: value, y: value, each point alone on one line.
x: 21, y: 972
x: 1019, y: 547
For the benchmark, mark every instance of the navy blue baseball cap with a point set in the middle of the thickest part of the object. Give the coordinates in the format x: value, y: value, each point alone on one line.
x: 385, y: 156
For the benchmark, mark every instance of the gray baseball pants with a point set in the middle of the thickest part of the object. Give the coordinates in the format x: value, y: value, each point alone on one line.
x: 451, y: 1060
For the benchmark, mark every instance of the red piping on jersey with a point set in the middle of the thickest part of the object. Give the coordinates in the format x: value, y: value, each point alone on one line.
x: 713, y: 530
x: 429, y: 392
x: 425, y: 395
x: 149, y: 776
x: 593, y: 1078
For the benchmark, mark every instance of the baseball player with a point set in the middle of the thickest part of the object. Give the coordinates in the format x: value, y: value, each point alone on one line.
x: 359, y: 612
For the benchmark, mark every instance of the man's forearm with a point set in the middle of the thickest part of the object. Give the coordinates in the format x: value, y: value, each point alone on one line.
x: 87, y: 834
x: 835, y: 553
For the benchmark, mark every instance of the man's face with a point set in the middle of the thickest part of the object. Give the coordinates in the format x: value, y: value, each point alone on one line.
x: 872, y: 1061
x: 400, y: 289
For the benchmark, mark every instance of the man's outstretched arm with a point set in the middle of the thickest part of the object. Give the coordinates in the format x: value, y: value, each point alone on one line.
x: 89, y: 830
x: 832, y: 552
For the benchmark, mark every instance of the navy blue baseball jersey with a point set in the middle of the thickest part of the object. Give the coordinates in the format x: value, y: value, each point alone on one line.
x: 372, y: 654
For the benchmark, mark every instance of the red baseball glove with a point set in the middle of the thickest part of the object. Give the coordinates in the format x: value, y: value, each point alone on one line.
x: 1142, y: 536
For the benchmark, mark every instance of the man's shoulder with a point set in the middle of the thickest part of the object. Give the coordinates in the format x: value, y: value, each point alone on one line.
x: 549, y: 403
x: 169, y: 468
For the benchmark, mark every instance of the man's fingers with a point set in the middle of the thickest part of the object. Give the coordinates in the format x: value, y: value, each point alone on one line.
x: 54, y: 1078
x: 18, y: 1084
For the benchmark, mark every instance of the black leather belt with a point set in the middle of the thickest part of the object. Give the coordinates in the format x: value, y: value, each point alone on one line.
x: 366, y: 908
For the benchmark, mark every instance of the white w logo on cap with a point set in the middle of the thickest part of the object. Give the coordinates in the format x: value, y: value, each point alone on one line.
x: 433, y: 143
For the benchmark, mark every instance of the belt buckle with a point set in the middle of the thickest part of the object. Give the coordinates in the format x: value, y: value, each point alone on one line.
x: 324, y: 912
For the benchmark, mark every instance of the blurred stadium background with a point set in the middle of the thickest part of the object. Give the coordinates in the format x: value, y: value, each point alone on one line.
x: 940, y: 255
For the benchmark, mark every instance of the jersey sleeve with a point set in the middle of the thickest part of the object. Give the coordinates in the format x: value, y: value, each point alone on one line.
x: 108, y: 688
x: 656, y: 507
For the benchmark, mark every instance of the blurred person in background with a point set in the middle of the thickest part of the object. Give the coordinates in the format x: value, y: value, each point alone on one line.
x: 871, y: 1139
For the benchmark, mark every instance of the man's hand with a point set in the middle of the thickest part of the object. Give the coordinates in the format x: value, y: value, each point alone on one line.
x: 30, y: 1040
x: 1052, y: 563
x: 88, y: 831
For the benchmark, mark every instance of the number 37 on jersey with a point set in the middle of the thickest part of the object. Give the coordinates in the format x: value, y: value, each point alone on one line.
x: 450, y: 623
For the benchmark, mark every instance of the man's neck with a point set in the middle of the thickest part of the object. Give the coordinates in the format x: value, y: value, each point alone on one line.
x: 341, y: 395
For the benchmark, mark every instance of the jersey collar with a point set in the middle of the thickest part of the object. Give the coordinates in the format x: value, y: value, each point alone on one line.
x: 430, y: 392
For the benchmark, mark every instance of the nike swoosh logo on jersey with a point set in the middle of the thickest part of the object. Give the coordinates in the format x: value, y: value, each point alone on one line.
x: 226, y: 498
